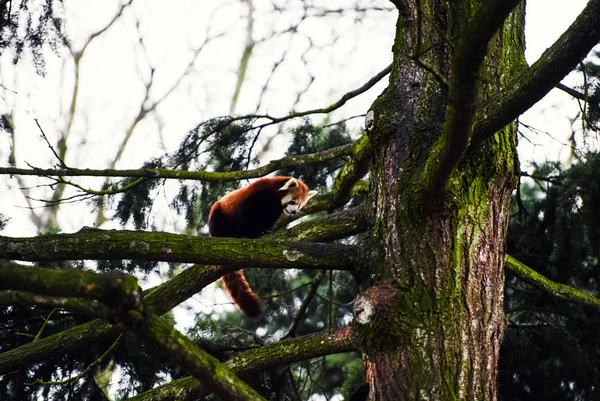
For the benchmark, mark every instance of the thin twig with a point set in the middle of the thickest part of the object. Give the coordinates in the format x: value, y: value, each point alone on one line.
x: 45, y: 138
x: 325, y: 110
x: 84, y: 371
x: 201, y: 175
x: 314, y: 286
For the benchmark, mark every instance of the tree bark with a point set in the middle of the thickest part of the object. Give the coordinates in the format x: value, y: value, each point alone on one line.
x: 160, y: 246
x: 430, y: 318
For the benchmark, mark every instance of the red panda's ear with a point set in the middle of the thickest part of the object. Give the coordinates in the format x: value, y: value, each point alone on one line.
x: 311, y: 194
x: 291, y: 183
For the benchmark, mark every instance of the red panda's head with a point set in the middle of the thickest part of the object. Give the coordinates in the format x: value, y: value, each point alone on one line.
x: 296, y: 195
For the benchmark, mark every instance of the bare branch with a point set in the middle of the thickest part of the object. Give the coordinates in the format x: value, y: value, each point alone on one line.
x: 202, y: 175
x: 556, y: 62
x: 246, y: 54
x: 350, y: 95
x: 576, y: 94
x: 45, y: 138
x: 62, y: 142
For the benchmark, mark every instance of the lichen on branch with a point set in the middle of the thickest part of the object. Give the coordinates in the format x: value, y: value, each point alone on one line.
x: 270, y: 356
x: 169, y: 294
x: 556, y: 290
x: 159, y: 246
x: 115, y: 289
x: 122, y: 294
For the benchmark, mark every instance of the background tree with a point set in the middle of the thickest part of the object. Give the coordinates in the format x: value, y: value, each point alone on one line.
x: 440, y: 153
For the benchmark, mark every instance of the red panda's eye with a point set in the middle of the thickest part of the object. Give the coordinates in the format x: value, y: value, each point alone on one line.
x: 292, y: 202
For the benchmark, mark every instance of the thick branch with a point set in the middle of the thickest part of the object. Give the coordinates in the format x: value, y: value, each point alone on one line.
x: 469, y: 51
x: 115, y: 289
x: 556, y: 62
x: 556, y: 290
x: 351, y: 172
x: 25, y: 298
x: 202, y: 175
x: 161, y: 299
x: 139, y: 245
x: 165, y: 339
x: 122, y: 294
x: 258, y: 360
x: 334, y: 226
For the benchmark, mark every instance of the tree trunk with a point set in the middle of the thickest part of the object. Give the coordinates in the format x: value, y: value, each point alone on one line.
x: 430, y: 319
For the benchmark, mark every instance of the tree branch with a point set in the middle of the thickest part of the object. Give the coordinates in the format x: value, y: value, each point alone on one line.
x: 167, y: 247
x: 257, y: 360
x: 351, y: 172
x: 308, y: 297
x: 322, y: 203
x: 334, y: 226
x: 116, y: 289
x: 122, y: 294
x: 469, y: 51
x: 163, y: 297
x: 342, y: 101
x: 204, y: 367
x: 347, y: 183
x: 556, y: 62
x: 25, y: 298
x: 556, y: 290
x: 574, y: 93
x: 202, y: 175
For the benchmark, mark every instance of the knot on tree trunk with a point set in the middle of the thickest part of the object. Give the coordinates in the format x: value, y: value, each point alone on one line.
x: 375, y: 313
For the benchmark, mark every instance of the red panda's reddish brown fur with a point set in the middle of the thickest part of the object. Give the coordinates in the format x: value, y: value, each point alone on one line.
x: 250, y: 212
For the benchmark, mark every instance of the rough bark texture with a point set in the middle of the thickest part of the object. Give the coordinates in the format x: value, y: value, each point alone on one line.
x: 430, y: 319
x: 167, y: 247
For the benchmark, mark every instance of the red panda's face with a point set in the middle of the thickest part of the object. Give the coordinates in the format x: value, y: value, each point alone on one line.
x: 296, y: 196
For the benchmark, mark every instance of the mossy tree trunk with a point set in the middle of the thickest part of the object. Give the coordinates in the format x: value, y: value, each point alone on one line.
x: 430, y: 318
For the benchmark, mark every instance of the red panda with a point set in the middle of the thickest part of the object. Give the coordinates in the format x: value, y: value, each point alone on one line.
x: 250, y: 212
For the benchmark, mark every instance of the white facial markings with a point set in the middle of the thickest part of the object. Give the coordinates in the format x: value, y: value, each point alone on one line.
x: 285, y: 200
x: 294, y: 199
x: 290, y: 204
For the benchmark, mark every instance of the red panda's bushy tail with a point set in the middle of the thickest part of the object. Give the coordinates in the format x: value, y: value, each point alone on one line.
x: 242, y: 294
